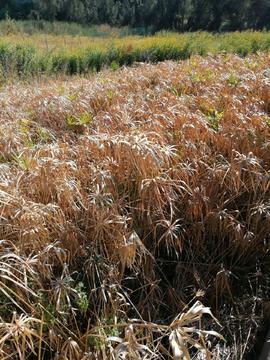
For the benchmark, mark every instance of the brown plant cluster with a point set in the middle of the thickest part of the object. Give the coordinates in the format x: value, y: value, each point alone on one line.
x: 128, y: 196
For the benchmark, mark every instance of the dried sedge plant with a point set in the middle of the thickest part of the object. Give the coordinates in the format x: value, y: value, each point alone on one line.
x: 157, y: 194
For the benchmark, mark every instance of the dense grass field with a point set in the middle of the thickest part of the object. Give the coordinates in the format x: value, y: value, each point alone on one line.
x: 40, y: 54
x: 133, y: 196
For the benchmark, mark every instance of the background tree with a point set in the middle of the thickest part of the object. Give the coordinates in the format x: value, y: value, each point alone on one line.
x: 72, y: 11
x: 258, y: 14
x: 236, y: 13
x: 48, y: 9
x: 6, y: 6
x: 217, y: 14
x: 91, y: 11
x: 14, y: 9
x: 160, y: 12
x: 183, y: 9
x: 108, y: 12
x: 181, y: 15
x: 200, y: 15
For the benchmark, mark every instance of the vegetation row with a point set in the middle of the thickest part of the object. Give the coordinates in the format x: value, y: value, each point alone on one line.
x: 27, y: 59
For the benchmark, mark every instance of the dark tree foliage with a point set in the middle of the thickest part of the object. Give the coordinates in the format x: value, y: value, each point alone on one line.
x: 258, y: 13
x: 16, y: 9
x: 236, y: 15
x: 180, y: 15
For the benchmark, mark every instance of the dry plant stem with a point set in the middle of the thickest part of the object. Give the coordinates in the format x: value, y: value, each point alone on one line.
x: 128, y: 195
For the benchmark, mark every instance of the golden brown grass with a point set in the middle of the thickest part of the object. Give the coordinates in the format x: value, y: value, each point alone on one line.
x: 56, y: 42
x: 150, y: 186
